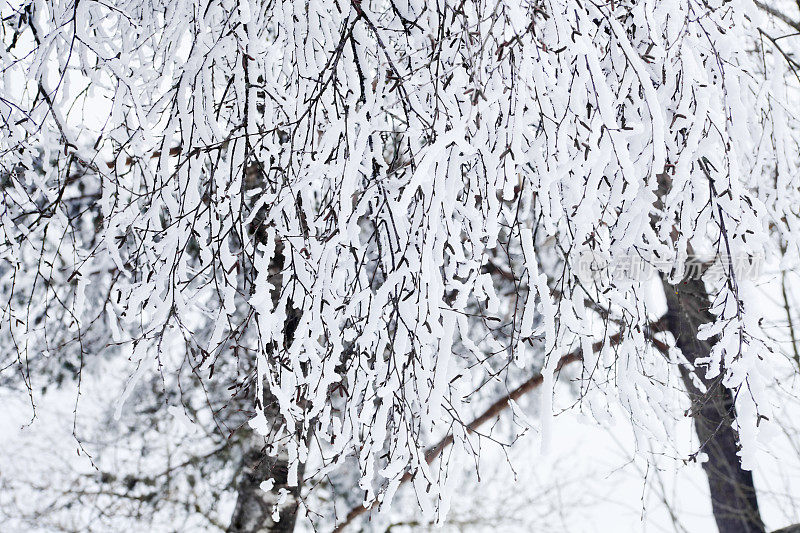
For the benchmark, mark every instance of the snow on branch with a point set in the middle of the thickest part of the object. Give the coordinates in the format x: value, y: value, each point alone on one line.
x: 371, y: 213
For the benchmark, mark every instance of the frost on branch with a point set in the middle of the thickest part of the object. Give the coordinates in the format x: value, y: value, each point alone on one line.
x: 380, y: 215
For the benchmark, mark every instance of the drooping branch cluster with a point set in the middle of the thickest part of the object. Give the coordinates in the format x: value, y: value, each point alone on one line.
x: 375, y: 211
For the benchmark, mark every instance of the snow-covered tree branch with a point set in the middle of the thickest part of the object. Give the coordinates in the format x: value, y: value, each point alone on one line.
x: 357, y: 224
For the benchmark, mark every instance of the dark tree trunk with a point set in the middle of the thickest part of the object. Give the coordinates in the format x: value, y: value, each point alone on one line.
x: 733, y: 495
x: 254, y: 506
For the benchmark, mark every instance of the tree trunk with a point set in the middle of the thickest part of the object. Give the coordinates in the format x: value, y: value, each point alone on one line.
x: 255, y: 507
x: 733, y: 495
x: 255, y: 510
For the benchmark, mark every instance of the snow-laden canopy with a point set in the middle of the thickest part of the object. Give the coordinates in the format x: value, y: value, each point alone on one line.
x: 387, y: 209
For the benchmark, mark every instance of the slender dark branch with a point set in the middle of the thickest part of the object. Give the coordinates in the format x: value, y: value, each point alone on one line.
x: 780, y: 15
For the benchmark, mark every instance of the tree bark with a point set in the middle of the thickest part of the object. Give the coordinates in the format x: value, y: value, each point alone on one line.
x: 255, y: 507
x: 255, y: 510
x: 733, y: 495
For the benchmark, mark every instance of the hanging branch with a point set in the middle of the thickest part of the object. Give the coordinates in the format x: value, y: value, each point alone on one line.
x: 502, y: 404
